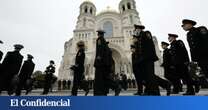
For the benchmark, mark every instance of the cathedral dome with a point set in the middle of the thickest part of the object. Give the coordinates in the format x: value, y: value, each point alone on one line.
x: 125, y: 5
x: 87, y: 7
x: 87, y: 2
x: 108, y: 10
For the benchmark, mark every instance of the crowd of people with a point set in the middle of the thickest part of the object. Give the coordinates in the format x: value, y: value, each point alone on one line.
x: 16, y: 75
x: 179, y: 70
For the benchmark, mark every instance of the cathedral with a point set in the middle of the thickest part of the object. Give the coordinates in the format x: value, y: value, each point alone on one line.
x: 119, y: 28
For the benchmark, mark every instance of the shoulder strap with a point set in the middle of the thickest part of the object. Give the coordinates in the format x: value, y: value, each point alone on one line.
x: 202, y: 30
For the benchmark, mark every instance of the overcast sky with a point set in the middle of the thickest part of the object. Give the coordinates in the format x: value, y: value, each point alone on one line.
x: 43, y: 26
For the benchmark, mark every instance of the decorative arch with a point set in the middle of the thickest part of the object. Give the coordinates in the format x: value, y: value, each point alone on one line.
x: 119, y: 49
x: 91, y: 10
x: 129, y: 5
x: 115, y: 20
x: 121, y: 63
x: 123, y: 7
x: 86, y: 9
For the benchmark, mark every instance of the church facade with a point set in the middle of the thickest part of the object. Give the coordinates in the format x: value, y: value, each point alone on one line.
x: 119, y: 28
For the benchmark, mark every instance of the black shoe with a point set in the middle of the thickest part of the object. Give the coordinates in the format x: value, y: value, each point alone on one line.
x: 10, y: 93
x: 86, y: 92
x: 117, y: 91
x: 27, y: 92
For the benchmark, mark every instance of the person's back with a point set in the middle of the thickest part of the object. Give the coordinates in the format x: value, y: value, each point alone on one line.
x: 27, y: 69
x: 12, y: 63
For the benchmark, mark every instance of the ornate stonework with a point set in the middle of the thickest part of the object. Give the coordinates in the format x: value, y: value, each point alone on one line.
x: 119, y: 28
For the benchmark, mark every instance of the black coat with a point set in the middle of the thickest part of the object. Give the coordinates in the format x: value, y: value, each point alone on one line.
x: 50, y: 69
x: 198, y: 43
x: 179, y: 54
x: 145, y: 48
x: 102, y: 64
x: 166, y: 58
x: 102, y: 53
x: 143, y: 62
x: 79, y: 61
x: 11, y: 64
x: 27, y: 69
x: 168, y: 64
x: 79, y: 66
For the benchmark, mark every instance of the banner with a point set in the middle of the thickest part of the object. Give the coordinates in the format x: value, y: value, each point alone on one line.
x: 102, y: 103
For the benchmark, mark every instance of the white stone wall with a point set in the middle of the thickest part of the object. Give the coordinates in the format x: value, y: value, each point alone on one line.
x: 120, y: 41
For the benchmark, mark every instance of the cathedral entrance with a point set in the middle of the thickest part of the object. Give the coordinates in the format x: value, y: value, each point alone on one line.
x: 120, y: 63
x: 117, y: 61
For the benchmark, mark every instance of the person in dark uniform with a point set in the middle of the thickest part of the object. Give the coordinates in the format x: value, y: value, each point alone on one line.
x: 146, y: 56
x: 78, y: 69
x: 180, y: 58
x: 138, y: 76
x: 197, y: 39
x: 166, y: 61
x: 25, y: 73
x: 111, y: 81
x: 173, y: 75
x: 165, y: 84
x: 10, y: 68
x: 168, y: 66
x: 101, y: 64
x: 48, y: 77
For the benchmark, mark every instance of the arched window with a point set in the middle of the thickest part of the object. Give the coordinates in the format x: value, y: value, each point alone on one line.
x: 86, y: 9
x: 91, y: 10
x: 129, y: 5
x: 108, y: 28
x: 123, y: 7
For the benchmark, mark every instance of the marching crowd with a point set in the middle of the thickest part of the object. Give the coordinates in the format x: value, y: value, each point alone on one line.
x: 15, y: 76
x: 179, y: 69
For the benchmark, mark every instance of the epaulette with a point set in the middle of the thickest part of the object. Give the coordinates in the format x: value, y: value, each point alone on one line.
x: 203, y: 30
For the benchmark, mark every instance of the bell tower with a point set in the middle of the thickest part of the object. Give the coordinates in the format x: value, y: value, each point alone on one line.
x: 130, y: 15
x: 86, y: 18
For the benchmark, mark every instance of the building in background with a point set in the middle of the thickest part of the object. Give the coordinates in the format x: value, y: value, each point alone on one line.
x: 119, y: 28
